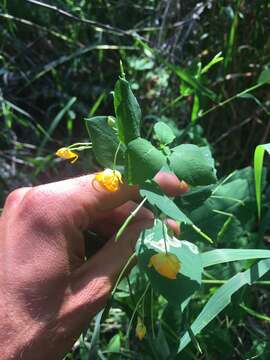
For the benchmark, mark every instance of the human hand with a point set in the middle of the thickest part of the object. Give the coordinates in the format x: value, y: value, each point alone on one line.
x: 48, y: 292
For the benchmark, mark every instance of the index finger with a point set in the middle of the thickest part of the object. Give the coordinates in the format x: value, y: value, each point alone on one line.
x: 79, y: 200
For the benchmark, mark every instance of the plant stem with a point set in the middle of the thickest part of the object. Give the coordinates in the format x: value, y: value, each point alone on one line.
x: 80, y: 148
x: 136, y: 309
x: 115, y: 156
x: 225, y: 102
x: 122, y: 272
x: 131, y: 292
x: 152, y: 313
x: 122, y: 71
x: 79, y: 144
x: 128, y: 220
x: 221, y: 282
x: 164, y: 229
x: 200, y: 232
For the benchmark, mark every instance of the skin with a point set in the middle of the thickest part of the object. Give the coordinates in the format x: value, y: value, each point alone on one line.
x: 48, y: 292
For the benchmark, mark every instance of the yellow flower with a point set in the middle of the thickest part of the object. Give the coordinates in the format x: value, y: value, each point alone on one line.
x: 65, y: 153
x: 109, y: 179
x: 140, y: 329
x: 166, y: 264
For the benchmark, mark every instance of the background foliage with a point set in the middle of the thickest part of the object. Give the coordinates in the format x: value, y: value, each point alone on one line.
x: 59, y: 62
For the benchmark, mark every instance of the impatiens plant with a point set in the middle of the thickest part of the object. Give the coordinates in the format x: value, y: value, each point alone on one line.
x: 170, y: 267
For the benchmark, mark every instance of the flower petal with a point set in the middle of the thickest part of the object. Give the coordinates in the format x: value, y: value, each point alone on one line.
x: 109, y: 179
x: 65, y: 153
x: 140, y: 329
x: 166, y: 264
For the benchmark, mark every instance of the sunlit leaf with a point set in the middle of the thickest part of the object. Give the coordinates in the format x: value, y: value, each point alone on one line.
x: 264, y: 76
x: 105, y: 141
x: 164, y: 133
x: 188, y: 279
x: 155, y: 196
x: 128, y: 112
x: 258, y: 163
x: 220, y: 256
x: 190, y: 164
x: 216, y: 59
x: 143, y: 161
x: 234, y: 198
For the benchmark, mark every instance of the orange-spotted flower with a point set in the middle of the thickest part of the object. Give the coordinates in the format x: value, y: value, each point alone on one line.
x: 140, y: 329
x: 109, y: 179
x: 66, y: 153
x: 166, y: 264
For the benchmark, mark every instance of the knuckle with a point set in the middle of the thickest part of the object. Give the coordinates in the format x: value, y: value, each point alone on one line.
x: 16, y: 196
x: 37, y: 210
x: 34, y: 199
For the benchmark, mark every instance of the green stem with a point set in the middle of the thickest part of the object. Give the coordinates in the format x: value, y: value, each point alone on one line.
x: 122, y: 71
x: 164, y: 229
x: 221, y: 282
x: 228, y: 198
x: 79, y: 144
x: 122, y: 272
x: 131, y: 292
x: 225, y: 102
x: 128, y: 220
x: 223, y: 182
x: 80, y: 148
x: 223, y: 213
x: 135, y: 310
x: 200, y: 232
x: 152, y: 313
x: 115, y: 156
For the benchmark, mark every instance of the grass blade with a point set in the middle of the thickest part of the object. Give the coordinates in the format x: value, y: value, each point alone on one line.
x: 222, y: 298
x: 220, y: 256
x: 55, y: 123
x: 258, y: 162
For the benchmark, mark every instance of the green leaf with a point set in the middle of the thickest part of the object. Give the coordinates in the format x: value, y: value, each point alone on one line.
x: 220, y: 256
x: 195, y: 197
x: 189, y: 163
x: 216, y: 59
x: 188, y: 279
x: 55, y: 122
x: 264, y: 76
x: 258, y: 163
x: 143, y: 161
x: 114, y: 344
x: 164, y: 133
x: 93, y: 348
x: 193, y: 82
x: 195, y: 109
x: 156, y: 197
x: 128, y: 112
x: 205, y: 150
x: 161, y: 345
x: 222, y: 298
x: 105, y: 141
x: 233, y: 201
x: 172, y: 322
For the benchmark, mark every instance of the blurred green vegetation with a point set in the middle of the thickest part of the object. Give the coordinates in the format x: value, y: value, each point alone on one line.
x: 59, y: 61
